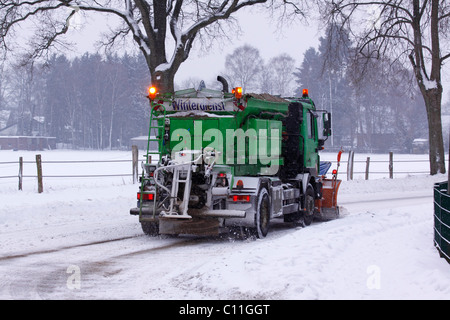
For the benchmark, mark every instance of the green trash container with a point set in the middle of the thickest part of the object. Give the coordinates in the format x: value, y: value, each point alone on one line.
x: 442, y: 219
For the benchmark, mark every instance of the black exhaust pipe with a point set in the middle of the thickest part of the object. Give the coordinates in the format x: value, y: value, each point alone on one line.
x: 224, y: 83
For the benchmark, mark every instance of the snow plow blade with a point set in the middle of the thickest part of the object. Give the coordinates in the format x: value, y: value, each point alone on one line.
x: 327, y: 208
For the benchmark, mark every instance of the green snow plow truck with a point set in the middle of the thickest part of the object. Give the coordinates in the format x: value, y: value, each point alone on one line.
x: 229, y: 159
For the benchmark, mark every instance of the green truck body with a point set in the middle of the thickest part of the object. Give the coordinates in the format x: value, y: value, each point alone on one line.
x: 229, y: 160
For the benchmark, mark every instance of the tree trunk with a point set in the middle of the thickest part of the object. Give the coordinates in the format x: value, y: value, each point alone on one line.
x: 164, y: 81
x: 433, y: 100
x: 430, y: 86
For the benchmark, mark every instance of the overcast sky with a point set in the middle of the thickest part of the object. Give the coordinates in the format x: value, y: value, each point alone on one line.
x: 257, y: 30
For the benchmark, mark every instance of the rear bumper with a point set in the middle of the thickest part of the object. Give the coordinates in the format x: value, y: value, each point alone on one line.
x: 147, y: 211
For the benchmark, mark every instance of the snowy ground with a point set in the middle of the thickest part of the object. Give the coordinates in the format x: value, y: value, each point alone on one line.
x: 77, y: 241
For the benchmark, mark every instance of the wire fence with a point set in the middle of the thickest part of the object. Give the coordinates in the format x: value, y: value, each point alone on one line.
x: 354, y: 168
x: 64, y: 170
x: 364, y: 166
x: 17, y: 163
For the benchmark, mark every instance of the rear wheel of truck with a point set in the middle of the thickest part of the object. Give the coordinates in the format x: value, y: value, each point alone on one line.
x: 150, y: 228
x: 262, y: 214
x: 308, y: 214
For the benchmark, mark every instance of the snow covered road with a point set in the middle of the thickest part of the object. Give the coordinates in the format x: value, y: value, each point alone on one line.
x: 77, y: 241
x: 84, y: 245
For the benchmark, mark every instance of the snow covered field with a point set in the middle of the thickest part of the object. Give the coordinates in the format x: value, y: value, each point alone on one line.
x: 77, y: 241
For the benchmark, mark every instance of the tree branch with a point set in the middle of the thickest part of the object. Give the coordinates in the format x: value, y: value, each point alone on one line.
x: 145, y: 20
x: 139, y: 37
x: 445, y: 57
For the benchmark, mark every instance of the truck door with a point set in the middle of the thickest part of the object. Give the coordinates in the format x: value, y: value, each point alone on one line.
x: 310, y: 137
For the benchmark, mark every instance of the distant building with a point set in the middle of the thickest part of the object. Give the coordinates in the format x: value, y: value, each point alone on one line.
x: 4, y: 118
x: 420, y: 146
x: 11, y: 139
x: 10, y: 130
x: 27, y: 143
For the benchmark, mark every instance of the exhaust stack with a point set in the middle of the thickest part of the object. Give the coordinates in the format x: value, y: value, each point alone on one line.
x: 224, y: 82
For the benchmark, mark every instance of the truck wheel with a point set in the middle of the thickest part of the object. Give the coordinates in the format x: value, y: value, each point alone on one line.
x: 308, y: 215
x: 150, y: 228
x: 262, y: 214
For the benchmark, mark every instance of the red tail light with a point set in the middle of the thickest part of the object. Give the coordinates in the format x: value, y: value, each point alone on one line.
x: 243, y: 198
x: 146, y: 196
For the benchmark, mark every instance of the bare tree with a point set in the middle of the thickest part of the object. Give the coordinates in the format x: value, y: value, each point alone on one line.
x: 277, y: 76
x: 164, y: 31
x: 243, y: 67
x: 3, y: 82
x: 414, y: 31
x: 265, y: 80
x: 282, y: 72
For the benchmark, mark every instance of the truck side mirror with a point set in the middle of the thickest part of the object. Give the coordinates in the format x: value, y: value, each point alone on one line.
x: 327, y: 124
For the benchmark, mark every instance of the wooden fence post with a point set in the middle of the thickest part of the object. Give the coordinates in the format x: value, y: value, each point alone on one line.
x: 39, y: 173
x: 391, y: 165
x: 367, y: 168
x: 20, y: 172
x: 135, y: 156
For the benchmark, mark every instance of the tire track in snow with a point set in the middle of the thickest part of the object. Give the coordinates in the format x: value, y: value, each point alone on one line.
x: 59, y: 249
